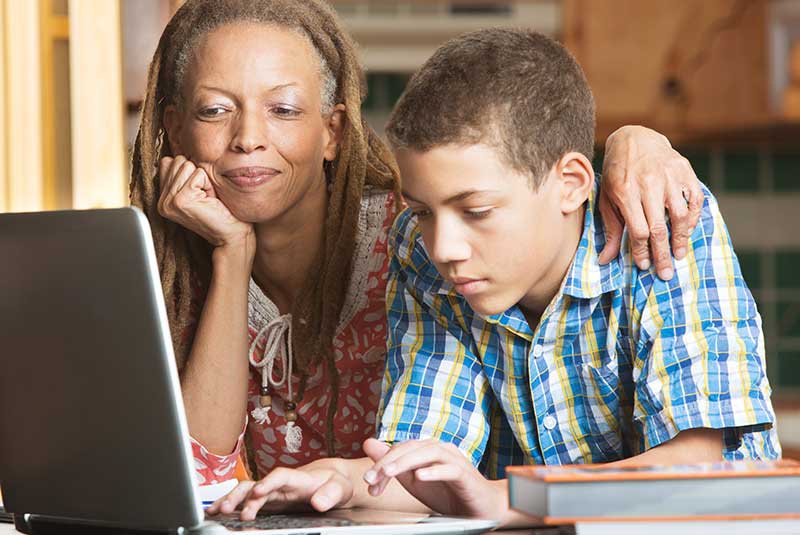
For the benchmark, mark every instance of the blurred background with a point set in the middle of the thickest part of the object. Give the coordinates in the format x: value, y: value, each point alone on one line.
x: 720, y: 78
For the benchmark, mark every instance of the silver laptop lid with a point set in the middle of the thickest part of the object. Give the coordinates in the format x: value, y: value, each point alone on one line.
x: 92, y: 426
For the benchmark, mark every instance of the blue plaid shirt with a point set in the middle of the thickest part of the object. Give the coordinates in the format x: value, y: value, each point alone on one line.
x: 620, y: 362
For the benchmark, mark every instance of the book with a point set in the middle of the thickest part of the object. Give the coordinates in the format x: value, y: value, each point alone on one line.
x: 769, y: 526
x: 715, y: 491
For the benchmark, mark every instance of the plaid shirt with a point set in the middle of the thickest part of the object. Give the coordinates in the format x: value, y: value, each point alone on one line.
x: 620, y: 362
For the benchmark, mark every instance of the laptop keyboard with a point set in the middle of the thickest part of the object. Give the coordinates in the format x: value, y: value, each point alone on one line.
x: 268, y: 521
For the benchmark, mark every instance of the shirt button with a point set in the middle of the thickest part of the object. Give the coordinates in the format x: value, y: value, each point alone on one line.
x: 549, y: 422
x: 537, y: 350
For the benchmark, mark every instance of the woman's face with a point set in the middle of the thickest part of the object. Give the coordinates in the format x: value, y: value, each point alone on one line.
x: 251, y: 117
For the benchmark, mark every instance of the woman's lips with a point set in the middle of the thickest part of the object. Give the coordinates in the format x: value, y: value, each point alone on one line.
x: 250, y: 177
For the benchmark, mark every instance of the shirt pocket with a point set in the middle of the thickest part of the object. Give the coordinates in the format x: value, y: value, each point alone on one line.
x: 599, y: 401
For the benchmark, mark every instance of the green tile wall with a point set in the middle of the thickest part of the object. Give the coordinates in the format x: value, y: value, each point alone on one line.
x: 786, y: 171
x: 788, y: 320
x: 740, y: 171
x: 787, y: 265
x: 789, y: 370
x: 701, y: 163
x: 384, y: 88
x: 750, y: 262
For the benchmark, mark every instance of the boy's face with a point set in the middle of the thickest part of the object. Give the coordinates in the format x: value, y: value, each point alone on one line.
x: 486, y: 230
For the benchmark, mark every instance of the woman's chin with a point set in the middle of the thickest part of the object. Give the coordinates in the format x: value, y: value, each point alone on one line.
x: 253, y: 214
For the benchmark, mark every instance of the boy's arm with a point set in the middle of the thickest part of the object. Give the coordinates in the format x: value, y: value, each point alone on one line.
x: 688, y: 447
x: 441, y: 477
x: 698, y: 355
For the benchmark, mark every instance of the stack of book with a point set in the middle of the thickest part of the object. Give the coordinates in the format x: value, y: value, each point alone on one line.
x: 747, y: 497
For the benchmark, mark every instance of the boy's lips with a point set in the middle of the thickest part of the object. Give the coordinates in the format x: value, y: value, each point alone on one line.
x: 467, y: 285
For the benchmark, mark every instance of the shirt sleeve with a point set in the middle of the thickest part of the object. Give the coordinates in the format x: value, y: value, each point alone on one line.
x: 699, y: 359
x: 434, y: 385
x: 212, y: 468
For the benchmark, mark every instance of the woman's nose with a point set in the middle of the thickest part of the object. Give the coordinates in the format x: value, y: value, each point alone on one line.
x: 251, y: 134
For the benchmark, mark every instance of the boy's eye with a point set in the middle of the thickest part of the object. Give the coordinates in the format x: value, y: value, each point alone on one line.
x: 478, y: 214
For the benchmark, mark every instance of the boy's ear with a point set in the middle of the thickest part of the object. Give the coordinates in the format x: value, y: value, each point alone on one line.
x: 172, y: 125
x: 335, y: 128
x: 576, y: 177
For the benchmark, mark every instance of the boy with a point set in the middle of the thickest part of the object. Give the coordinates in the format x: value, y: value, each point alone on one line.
x: 508, y: 342
x: 508, y: 339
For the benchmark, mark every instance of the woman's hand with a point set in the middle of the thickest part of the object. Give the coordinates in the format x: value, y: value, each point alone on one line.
x: 643, y: 174
x: 319, y: 484
x: 188, y: 198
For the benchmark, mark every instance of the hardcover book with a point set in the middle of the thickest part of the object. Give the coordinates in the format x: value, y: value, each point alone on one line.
x: 714, y: 491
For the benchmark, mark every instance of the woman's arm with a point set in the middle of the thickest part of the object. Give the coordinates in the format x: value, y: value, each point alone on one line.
x: 214, y: 381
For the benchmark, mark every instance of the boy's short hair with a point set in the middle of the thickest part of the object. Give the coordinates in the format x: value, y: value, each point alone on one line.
x: 516, y: 90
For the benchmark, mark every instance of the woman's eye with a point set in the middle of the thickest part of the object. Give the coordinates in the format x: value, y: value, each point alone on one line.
x: 283, y: 111
x: 478, y: 214
x: 421, y: 213
x: 212, y: 112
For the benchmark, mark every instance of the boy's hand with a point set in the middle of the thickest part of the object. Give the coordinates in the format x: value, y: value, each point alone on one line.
x: 643, y: 174
x: 189, y: 199
x: 438, y: 475
x: 317, y: 484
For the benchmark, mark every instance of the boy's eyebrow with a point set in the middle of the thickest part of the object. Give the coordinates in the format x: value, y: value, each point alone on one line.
x: 454, y: 198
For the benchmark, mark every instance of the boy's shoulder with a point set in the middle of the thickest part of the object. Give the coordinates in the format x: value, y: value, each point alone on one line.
x: 710, y: 262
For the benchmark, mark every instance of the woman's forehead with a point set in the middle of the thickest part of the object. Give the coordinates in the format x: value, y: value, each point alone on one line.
x: 250, y: 50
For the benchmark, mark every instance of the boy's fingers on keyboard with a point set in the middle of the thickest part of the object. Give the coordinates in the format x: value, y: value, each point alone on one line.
x: 378, y: 471
x: 439, y: 472
x: 429, y: 453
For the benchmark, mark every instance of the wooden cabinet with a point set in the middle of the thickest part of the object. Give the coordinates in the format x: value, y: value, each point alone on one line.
x: 689, y: 68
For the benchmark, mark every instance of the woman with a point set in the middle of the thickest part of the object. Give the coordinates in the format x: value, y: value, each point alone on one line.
x: 270, y: 213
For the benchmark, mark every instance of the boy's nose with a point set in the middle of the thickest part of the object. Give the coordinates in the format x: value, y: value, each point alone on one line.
x: 447, y: 244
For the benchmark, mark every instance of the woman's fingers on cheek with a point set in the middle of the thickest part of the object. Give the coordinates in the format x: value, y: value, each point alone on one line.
x: 164, y: 166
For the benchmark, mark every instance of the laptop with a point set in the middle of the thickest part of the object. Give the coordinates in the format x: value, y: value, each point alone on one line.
x: 93, y: 433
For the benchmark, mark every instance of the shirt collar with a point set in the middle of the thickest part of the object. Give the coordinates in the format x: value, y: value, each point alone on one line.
x: 586, y: 278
